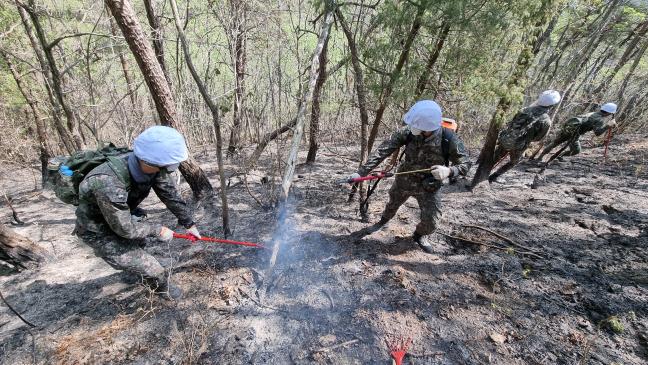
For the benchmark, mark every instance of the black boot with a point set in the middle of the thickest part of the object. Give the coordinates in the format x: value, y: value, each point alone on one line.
x: 423, y: 241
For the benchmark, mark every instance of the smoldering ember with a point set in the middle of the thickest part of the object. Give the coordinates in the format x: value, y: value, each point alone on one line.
x: 323, y: 182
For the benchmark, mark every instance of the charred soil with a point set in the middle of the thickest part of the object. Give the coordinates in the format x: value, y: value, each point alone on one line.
x: 564, y: 281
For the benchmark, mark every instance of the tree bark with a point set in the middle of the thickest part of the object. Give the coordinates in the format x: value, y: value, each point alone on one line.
x: 19, y: 251
x: 126, y: 18
x: 315, y: 108
x: 395, y: 75
x: 238, y: 13
x: 215, y: 117
x: 362, y: 99
x: 434, y: 56
x: 156, y: 37
x: 291, y: 161
x: 41, y: 130
x: 515, y: 83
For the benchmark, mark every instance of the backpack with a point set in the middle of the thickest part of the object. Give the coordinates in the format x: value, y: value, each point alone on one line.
x: 72, y: 170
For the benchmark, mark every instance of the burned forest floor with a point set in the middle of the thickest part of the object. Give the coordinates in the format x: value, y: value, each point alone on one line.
x: 561, y: 279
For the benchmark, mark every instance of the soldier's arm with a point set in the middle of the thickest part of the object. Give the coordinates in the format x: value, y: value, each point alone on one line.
x: 542, y: 128
x: 393, y: 143
x: 458, y: 157
x: 167, y: 191
x: 598, y: 125
x: 111, y: 197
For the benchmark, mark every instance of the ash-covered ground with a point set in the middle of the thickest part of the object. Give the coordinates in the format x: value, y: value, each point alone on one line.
x: 575, y: 293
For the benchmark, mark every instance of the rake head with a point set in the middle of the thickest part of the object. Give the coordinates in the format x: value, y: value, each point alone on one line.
x: 398, y: 348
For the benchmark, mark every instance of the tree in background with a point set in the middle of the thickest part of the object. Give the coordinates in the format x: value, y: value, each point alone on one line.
x: 158, y: 86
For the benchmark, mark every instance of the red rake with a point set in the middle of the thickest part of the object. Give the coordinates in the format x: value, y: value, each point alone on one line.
x: 193, y: 238
x: 398, y: 349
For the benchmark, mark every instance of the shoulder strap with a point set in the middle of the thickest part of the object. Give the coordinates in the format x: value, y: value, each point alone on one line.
x: 120, y: 168
x: 407, y: 141
x: 447, y: 136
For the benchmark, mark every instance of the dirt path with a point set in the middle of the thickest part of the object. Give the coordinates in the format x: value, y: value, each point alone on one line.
x: 585, y: 301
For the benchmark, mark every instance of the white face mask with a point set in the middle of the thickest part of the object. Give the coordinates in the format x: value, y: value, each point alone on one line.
x: 415, y: 131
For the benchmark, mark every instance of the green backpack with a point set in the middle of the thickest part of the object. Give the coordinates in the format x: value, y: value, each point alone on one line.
x: 72, y: 170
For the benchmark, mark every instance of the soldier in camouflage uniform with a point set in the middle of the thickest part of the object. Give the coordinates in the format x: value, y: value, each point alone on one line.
x: 114, y: 189
x: 422, y: 139
x: 599, y: 122
x: 530, y: 124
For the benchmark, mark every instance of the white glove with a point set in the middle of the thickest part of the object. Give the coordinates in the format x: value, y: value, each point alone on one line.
x: 165, y: 235
x: 611, y: 124
x: 440, y: 172
x: 354, y: 176
x: 194, y: 231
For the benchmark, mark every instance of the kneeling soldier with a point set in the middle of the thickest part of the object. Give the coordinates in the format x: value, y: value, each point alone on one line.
x: 113, y: 190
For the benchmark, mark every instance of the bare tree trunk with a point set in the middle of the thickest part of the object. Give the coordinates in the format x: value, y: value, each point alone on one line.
x: 638, y: 34
x: 55, y: 76
x: 64, y: 134
x: 584, y: 54
x: 267, y: 138
x: 238, y: 13
x: 156, y: 36
x: 291, y: 161
x: 434, y: 56
x: 362, y: 99
x: 395, y: 75
x: 19, y: 251
x: 517, y: 81
x: 315, y: 109
x: 631, y: 72
x: 41, y: 130
x: 132, y: 94
x: 215, y: 117
x: 158, y: 86
x: 633, y: 107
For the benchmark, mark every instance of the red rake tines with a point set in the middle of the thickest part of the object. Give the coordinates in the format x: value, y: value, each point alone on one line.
x: 398, y: 349
x: 193, y: 238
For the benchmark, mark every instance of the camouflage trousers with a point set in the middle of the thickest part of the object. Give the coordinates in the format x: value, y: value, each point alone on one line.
x: 126, y: 255
x: 428, y: 200
x: 574, y: 146
x: 515, y: 155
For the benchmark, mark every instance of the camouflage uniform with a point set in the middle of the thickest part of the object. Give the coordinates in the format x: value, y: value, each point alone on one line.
x: 104, y: 221
x: 574, y: 128
x: 420, y: 153
x: 529, y: 125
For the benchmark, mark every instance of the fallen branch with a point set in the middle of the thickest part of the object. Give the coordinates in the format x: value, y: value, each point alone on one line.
x: 475, y: 242
x: 16, y: 312
x: 13, y: 211
x: 502, y: 237
x: 492, y: 246
x: 330, y: 348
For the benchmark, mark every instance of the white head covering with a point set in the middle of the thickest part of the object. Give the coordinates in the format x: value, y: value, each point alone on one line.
x: 609, y: 107
x: 424, y: 115
x: 160, y: 146
x: 548, y: 98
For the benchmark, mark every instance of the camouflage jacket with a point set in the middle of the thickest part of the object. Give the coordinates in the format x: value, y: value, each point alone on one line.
x: 529, y: 125
x: 420, y: 153
x: 585, y: 123
x: 105, y: 202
